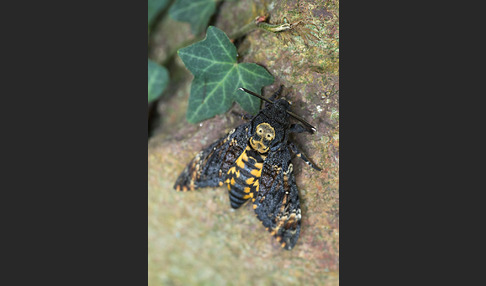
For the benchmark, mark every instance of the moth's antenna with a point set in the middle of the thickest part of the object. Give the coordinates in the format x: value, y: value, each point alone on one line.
x: 307, y: 124
x: 255, y: 94
x: 312, y: 128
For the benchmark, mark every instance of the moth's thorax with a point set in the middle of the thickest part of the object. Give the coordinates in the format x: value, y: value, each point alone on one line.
x: 262, y: 138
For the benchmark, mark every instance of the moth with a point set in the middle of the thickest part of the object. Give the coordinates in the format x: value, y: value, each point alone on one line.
x: 254, y: 162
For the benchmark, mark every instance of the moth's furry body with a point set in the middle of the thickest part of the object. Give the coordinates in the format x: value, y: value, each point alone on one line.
x: 254, y: 161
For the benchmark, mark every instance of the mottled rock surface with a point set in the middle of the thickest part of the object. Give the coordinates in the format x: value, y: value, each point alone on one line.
x: 195, y: 238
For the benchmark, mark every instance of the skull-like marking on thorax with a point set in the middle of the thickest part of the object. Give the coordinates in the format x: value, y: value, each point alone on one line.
x: 264, y: 134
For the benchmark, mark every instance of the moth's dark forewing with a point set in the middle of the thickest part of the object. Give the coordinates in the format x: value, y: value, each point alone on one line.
x: 291, y: 231
x: 202, y: 170
x: 277, y: 201
x: 209, y: 167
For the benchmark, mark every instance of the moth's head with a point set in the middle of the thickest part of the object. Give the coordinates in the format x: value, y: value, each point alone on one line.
x: 281, y: 106
x: 277, y: 113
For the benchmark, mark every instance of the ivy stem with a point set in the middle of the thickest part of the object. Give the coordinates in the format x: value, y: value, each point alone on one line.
x: 243, y: 30
x: 253, y: 25
x: 274, y: 28
x: 262, y: 25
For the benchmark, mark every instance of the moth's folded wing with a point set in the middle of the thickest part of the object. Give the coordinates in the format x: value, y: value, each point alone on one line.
x: 277, y: 204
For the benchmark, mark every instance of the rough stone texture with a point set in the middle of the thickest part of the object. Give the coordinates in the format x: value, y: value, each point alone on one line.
x: 195, y: 238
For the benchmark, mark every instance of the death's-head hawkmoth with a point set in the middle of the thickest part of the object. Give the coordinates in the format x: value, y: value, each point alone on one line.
x: 254, y: 162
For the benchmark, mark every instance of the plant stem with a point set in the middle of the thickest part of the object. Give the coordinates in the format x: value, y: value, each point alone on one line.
x: 243, y: 30
x: 262, y: 25
x: 274, y: 28
x: 253, y: 25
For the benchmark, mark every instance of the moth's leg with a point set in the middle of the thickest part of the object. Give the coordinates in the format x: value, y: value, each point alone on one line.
x: 298, y: 128
x: 301, y: 155
x: 245, y: 116
x: 277, y: 93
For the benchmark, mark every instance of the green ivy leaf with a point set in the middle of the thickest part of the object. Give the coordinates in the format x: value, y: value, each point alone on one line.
x: 217, y: 77
x: 196, y: 12
x: 154, y: 7
x: 157, y: 80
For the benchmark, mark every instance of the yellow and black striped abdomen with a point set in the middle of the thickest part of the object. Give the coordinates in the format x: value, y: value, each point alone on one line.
x: 243, y: 178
